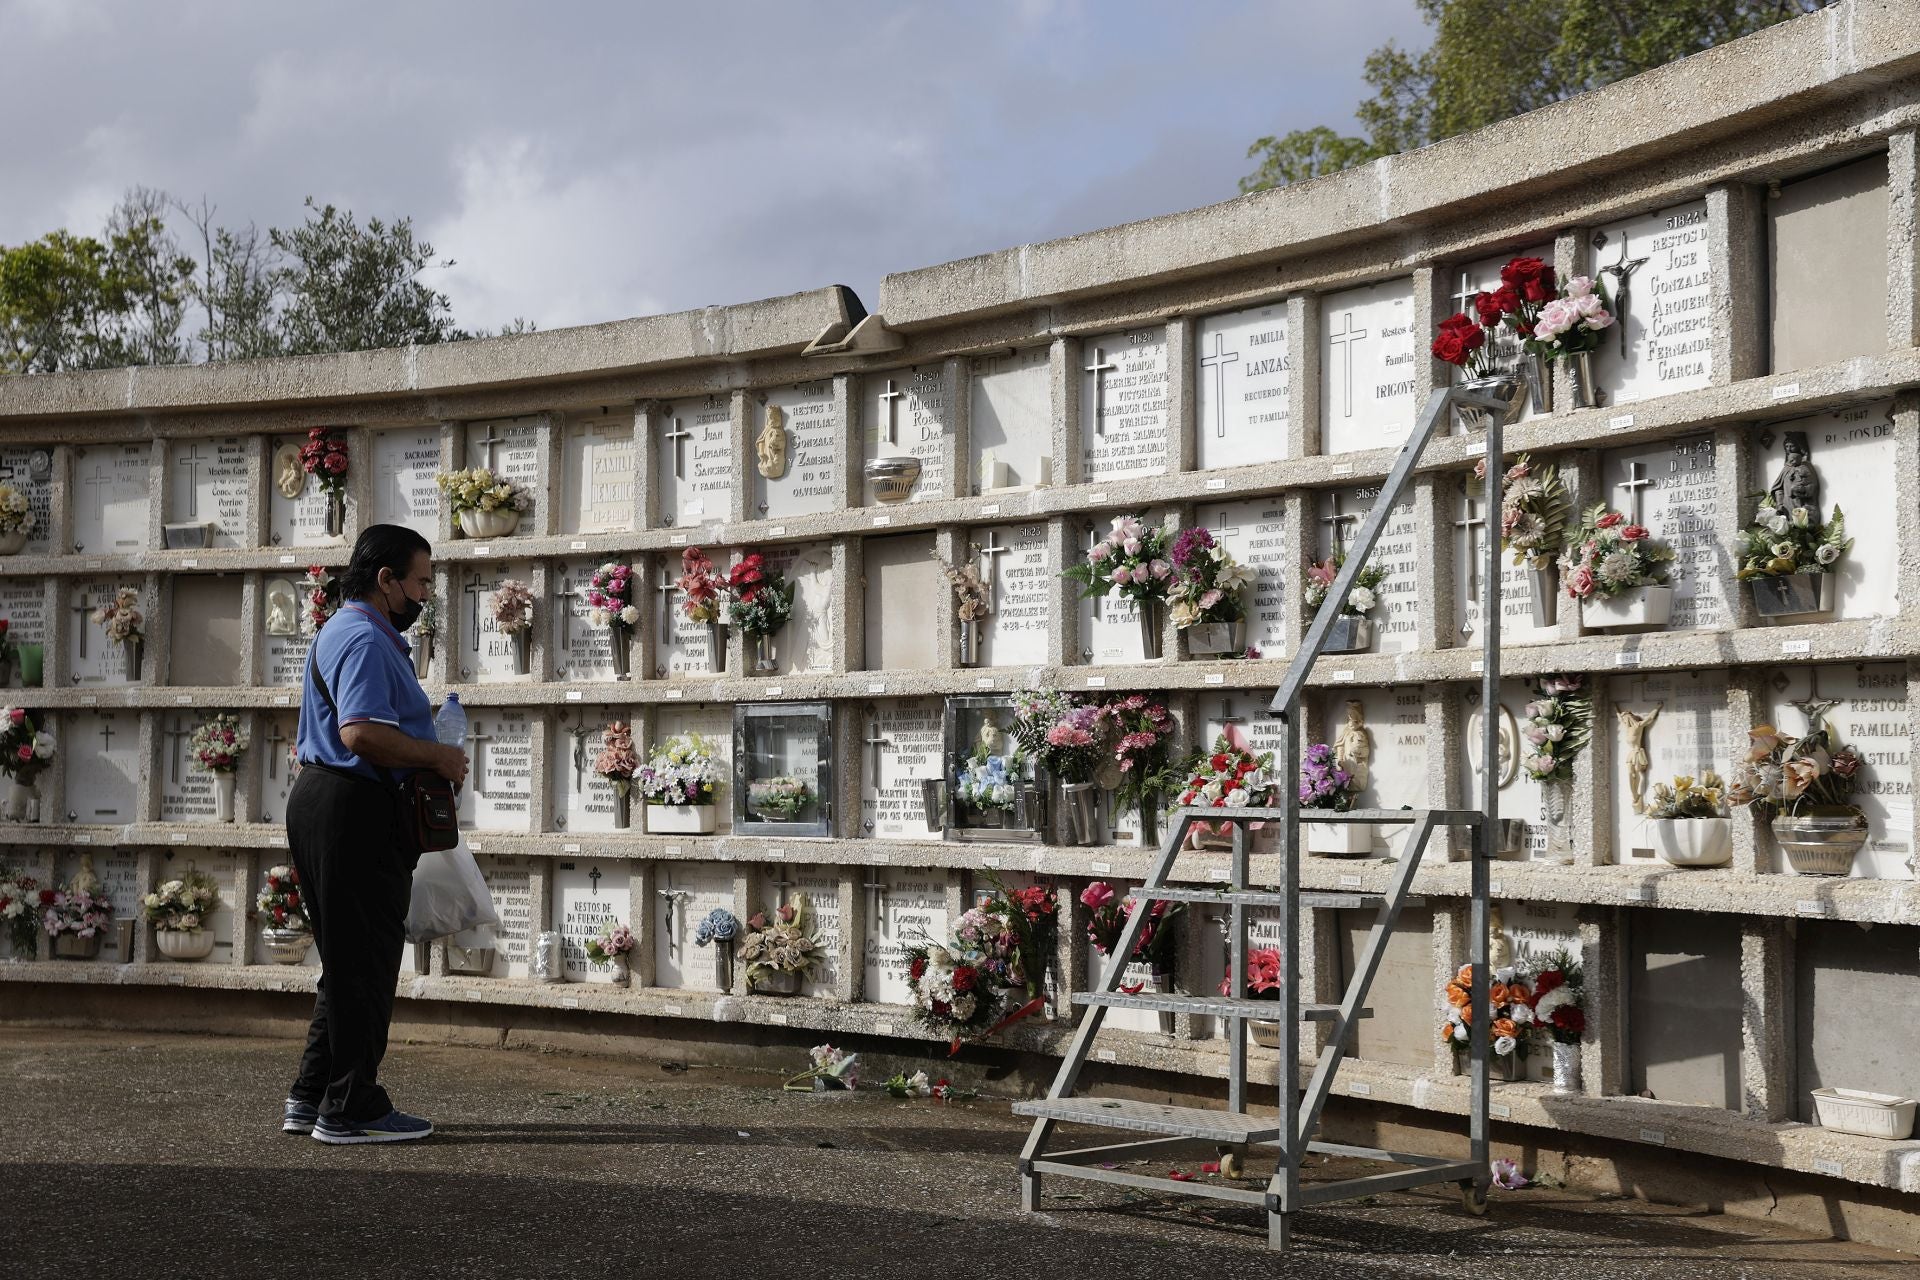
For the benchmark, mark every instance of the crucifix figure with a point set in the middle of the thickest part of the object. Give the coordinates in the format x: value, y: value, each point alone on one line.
x: 563, y: 595
x: 1100, y: 368
x: 676, y: 437
x: 890, y: 406
x: 673, y: 898
x: 987, y: 551
x: 1472, y: 524
x: 1228, y: 720
x: 176, y: 735
x: 1638, y: 761
x: 1339, y: 522
x: 274, y: 739
x: 877, y: 741
x: 1814, y: 708
x: 191, y: 460
x: 1633, y: 484
x: 1622, y: 273
x: 667, y: 586
x: 876, y: 907
x: 1218, y: 362
x: 1345, y: 340
x: 490, y: 441
x: 579, y: 733
x: 473, y: 591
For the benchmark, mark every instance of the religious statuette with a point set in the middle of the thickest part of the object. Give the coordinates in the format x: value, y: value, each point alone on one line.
x: 1509, y: 731
x: 1353, y: 745
x: 1637, y: 759
x: 283, y: 609
x: 1799, y: 483
x: 289, y: 475
x: 771, y: 446
x: 1499, y: 946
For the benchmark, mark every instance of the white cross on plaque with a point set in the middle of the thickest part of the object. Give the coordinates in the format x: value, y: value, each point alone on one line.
x: 987, y: 551
x: 667, y: 586
x: 1100, y: 368
x: 490, y: 441
x: 1218, y: 362
x: 1345, y: 340
x: 175, y: 735
x: 1633, y: 484
x: 191, y: 460
x: 676, y: 435
x: 890, y: 399
x: 1473, y: 523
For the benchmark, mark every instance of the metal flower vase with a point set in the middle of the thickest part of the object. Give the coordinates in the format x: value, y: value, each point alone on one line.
x: 1217, y: 639
x: 933, y: 803
x: 1821, y: 841
x: 1081, y: 802
x: 1350, y: 633
x: 336, y: 513
x: 620, y: 635
x: 1566, y: 1068
x: 969, y: 642
x: 1509, y: 387
x: 286, y: 946
x: 766, y: 658
x: 1792, y: 595
x: 1544, y: 586
x: 71, y: 946
x: 622, y: 806
x: 522, y: 651
x: 1540, y: 383
x: 717, y: 647
x: 133, y: 647
x: 423, y: 656
x: 1153, y: 626
x: 1586, y: 394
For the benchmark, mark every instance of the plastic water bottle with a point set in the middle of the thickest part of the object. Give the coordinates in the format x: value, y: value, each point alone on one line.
x: 450, y: 725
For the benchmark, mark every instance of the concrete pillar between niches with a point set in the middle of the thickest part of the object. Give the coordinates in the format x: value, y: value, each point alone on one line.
x: 1299, y: 527
x: 147, y: 868
x: 1434, y: 502
x: 1181, y: 410
x: 1767, y: 1018
x: 951, y: 546
x: 1447, y: 779
x: 359, y: 483
x: 849, y: 476
x: 246, y: 797
x: 1906, y: 464
x: 1603, y: 961
x: 648, y: 418
x: 745, y: 903
x: 256, y: 524
x: 646, y: 659
x: 1903, y: 242
x: 162, y: 493
x: 1737, y: 291
x: 1063, y: 376
x: 1572, y: 256
x: 957, y: 383
x: 851, y: 947
x: 541, y: 796
x: 1303, y: 387
x: 240, y: 887
x: 453, y: 457
x: 849, y: 727
x: 541, y: 581
x: 56, y: 664
x: 252, y: 609
x: 440, y: 665
x: 156, y: 599
x: 1319, y: 976
x: 540, y: 902
x: 740, y: 430
x: 1432, y: 302
x: 1735, y: 505
x: 1749, y: 700
x: 1070, y: 952
x: 60, y: 504
x: 1591, y: 812
x: 641, y: 881
x: 1450, y: 922
x: 848, y: 600
x: 550, y: 447
x: 1066, y: 536
x: 146, y: 803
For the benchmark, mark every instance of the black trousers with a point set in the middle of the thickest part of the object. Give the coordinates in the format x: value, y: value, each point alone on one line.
x: 356, y: 884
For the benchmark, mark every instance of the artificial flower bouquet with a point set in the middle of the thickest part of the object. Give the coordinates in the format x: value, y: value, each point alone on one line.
x: 78, y: 914
x: 1804, y: 787
x: 182, y: 905
x: 1686, y: 797
x: 1534, y: 506
x: 614, y: 942
x: 20, y: 909
x: 1208, y: 594
x: 120, y: 618
x: 282, y: 902
x: 1065, y: 735
x: 478, y: 489
x: 700, y: 587
x: 1352, y: 629
x: 781, y: 950
x: 993, y: 969
x: 1559, y: 725
x: 989, y: 783
x: 216, y: 745
x: 828, y: 1068
x: 717, y: 929
x: 1689, y: 820
x: 1134, y: 560
x: 512, y: 606
x: 972, y: 595
x: 779, y: 799
x: 1108, y: 917
x: 1140, y: 737
x: 25, y: 749
x: 1227, y: 777
x: 760, y: 599
x: 16, y: 513
x: 325, y: 458
x: 1510, y: 1005
x: 1558, y: 999
x: 683, y: 770
x: 1262, y: 977
x: 1326, y: 787
x: 1792, y: 558
x: 609, y: 596
x: 1617, y: 571
x: 917, y: 1085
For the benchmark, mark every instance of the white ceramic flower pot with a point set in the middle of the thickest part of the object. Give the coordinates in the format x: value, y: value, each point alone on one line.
x: 1339, y: 839
x: 1871, y: 1115
x: 223, y: 784
x: 1639, y: 607
x: 179, y: 944
x: 1694, y: 842
x: 12, y: 544
x: 476, y: 523
x: 681, y: 819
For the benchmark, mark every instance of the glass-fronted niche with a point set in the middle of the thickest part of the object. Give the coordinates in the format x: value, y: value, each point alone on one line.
x: 783, y: 769
x: 991, y: 789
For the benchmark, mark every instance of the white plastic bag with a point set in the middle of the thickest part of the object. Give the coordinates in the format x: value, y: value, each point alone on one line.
x: 449, y: 895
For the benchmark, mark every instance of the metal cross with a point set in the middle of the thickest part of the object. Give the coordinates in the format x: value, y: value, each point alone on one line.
x: 1218, y: 362
x: 1228, y: 720
x: 1622, y: 273
x: 273, y: 739
x: 84, y: 610
x: 987, y: 551
x: 876, y: 740
x: 1345, y: 340
x: 876, y: 911
x: 780, y: 885
x: 474, y: 738
x: 490, y: 442
x: 1338, y: 522
x: 1100, y: 368
x: 106, y: 736
x: 564, y: 596
x: 176, y: 735
x: 666, y: 587
x: 1633, y: 484
x: 890, y: 402
x: 191, y: 460
x: 472, y: 591
x: 1472, y: 524
x: 1224, y: 525
x: 594, y: 876
x: 676, y: 434
x: 674, y: 897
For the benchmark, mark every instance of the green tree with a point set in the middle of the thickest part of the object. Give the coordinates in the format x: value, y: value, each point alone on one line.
x: 1492, y: 59
x: 349, y: 289
x: 53, y: 292
x: 148, y: 283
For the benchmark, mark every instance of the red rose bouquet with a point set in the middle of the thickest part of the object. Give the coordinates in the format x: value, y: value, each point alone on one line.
x: 1109, y: 917
x: 324, y: 455
x: 281, y: 900
x: 760, y: 599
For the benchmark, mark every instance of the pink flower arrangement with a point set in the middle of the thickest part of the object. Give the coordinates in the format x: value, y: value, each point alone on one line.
x: 609, y: 596
x: 1134, y: 560
x: 700, y: 587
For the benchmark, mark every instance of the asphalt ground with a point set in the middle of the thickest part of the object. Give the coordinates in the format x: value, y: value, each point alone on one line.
x: 133, y: 1154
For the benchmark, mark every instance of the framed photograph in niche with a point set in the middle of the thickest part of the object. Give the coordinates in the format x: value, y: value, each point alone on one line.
x: 991, y: 791
x: 783, y: 774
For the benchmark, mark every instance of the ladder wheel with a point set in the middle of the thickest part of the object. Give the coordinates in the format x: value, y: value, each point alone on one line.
x: 1233, y: 1164
x: 1473, y: 1199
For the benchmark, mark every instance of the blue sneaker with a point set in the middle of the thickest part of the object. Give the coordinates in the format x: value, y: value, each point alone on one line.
x: 299, y: 1117
x: 395, y: 1126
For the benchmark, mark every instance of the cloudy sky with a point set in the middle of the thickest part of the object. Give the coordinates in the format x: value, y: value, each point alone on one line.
x: 589, y: 161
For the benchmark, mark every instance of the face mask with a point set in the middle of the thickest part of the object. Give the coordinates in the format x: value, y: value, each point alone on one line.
x: 409, y: 614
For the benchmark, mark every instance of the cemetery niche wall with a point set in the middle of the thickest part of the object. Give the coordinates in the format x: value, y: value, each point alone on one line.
x: 916, y: 510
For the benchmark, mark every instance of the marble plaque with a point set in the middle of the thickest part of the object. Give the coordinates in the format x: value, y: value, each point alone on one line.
x: 405, y: 463
x: 1255, y: 533
x: 499, y: 791
x: 581, y: 651
x: 300, y: 521
x: 1827, y: 267
x: 284, y: 658
x: 904, y: 412
x: 1853, y: 450
x: 904, y: 585
x: 821, y: 888
x: 1484, y: 277
x: 1367, y: 344
x: 906, y: 907
x: 809, y: 483
x: 91, y: 657
x: 1691, y: 733
x: 1015, y: 633
x: 806, y: 642
x: 1339, y: 513
x: 588, y: 896
x: 1010, y: 428
x: 1661, y: 341
x: 208, y: 485
x: 1471, y: 528
x: 1870, y: 715
x: 206, y: 628
x: 272, y: 753
x: 681, y: 645
x: 1396, y: 723
x: 1242, y: 378
x: 908, y: 749
x: 510, y: 448
x: 1109, y: 624
x: 186, y: 794
x: 597, y: 475
x: 715, y: 723
x: 583, y: 800
x: 1519, y: 793
x: 686, y: 893
x: 23, y: 603
x: 693, y: 476
x: 486, y: 652
x: 1123, y: 405
x: 1404, y: 995
x: 119, y: 873
x: 1671, y: 489
x: 112, y: 490
x: 29, y: 469
x: 510, y: 883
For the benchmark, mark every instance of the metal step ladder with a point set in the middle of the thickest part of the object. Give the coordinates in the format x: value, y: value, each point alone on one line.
x: 1289, y: 1131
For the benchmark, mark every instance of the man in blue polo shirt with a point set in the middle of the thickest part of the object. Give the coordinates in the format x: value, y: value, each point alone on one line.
x: 365, y: 723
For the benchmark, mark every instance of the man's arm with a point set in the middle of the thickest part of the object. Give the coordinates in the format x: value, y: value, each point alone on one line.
x: 387, y: 747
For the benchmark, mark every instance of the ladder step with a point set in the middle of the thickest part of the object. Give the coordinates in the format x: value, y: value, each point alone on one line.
x: 1147, y: 1182
x: 1155, y: 1117
x: 1269, y: 898
x: 1212, y: 1006
x: 1446, y: 817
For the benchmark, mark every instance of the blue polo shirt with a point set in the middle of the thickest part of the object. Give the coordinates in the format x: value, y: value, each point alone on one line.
x: 368, y: 667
